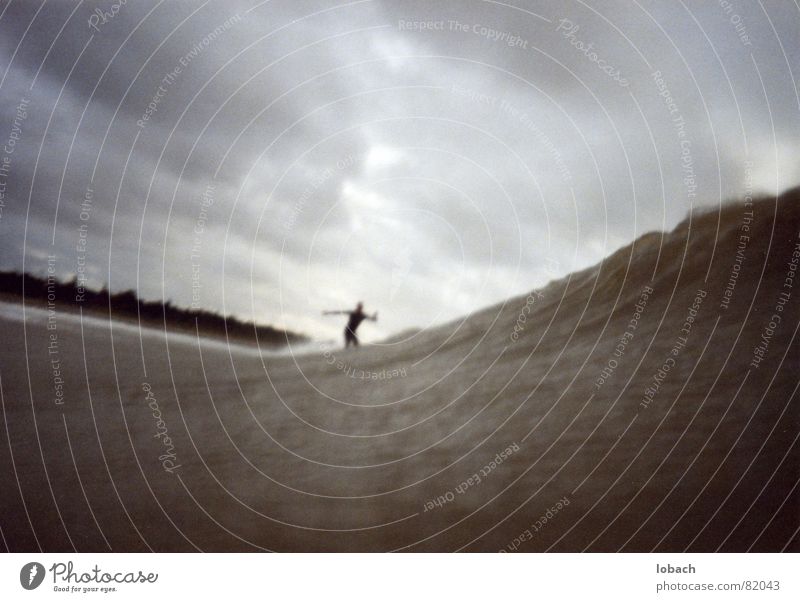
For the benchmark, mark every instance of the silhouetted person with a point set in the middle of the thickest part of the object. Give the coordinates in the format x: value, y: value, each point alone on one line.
x: 356, y: 317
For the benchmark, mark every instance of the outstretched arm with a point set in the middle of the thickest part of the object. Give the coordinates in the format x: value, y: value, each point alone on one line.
x: 334, y: 313
x: 374, y: 317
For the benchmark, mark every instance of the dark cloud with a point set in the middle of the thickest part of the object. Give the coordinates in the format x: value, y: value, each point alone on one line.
x: 353, y: 153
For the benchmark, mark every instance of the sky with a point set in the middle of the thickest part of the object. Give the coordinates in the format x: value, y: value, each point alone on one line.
x: 271, y: 160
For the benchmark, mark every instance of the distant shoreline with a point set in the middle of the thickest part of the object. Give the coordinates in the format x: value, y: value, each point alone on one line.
x: 127, y: 307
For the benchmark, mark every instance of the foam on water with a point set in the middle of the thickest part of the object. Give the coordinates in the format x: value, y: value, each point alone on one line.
x: 17, y: 312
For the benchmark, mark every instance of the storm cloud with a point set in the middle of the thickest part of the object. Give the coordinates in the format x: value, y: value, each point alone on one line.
x: 270, y: 160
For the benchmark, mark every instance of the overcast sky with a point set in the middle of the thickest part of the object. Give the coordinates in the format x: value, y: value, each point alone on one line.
x: 428, y: 158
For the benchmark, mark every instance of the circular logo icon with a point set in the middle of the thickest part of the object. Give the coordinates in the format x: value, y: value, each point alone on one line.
x: 31, y: 575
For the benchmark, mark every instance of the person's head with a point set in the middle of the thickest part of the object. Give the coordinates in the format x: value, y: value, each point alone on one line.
x: 360, y: 306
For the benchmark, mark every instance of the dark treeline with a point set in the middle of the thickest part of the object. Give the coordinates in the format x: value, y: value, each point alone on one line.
x: 127, y: 305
